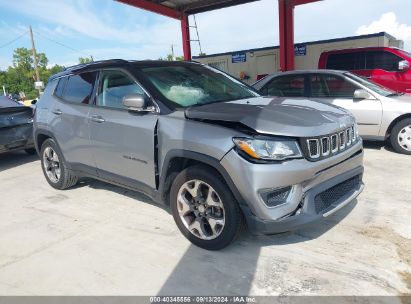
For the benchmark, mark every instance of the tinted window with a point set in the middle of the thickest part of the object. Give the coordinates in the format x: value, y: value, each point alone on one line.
x: 60, y: 87
x: 288, y: 86
x: 382, y: 60
x: 330, y: 86
x: 79, y: 87
x: 193, y: 84
x: 346, y: 61
x: 114, y: 86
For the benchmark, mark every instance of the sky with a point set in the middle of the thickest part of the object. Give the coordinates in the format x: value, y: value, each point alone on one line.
x: 68, y: 29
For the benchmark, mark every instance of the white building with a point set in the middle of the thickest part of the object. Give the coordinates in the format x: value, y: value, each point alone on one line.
x: 255, y: 63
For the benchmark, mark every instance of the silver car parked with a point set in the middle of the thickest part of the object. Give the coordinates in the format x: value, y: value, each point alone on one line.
x: 381, y: 113
x: 201, y: 142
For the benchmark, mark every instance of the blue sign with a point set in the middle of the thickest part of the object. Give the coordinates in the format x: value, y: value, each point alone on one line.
x: 238, y: 57
x: 300, y: 50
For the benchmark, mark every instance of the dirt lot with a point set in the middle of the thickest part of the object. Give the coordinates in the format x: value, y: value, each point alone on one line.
x: 97, y: 239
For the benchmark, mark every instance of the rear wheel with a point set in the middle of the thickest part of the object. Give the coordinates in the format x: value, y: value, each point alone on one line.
x: 54, y: 166
x: 204, y: 208
x: 401, y: 136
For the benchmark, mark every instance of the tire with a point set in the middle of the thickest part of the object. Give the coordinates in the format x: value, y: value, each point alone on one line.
x: 30, y: 151
x: 401, y: 136
x: 210, y: 221
x: 52, y: 158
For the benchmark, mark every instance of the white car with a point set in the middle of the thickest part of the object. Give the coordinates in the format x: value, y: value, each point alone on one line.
x: 380, y: 112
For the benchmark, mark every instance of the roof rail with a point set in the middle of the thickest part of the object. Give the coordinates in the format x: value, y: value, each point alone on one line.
x: 84, y: 65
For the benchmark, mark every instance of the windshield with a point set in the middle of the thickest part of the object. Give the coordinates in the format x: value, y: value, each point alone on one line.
x: 188, y: 85
x: 407, y: 54
x: 372, y: 85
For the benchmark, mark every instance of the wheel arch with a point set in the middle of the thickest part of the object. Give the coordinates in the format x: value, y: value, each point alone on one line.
x: 178, y: 160
x: 394, y: 122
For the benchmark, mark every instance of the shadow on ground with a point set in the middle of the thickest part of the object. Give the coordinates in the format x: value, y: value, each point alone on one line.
x: 14, y: 159
x: 378, y: 145
x: 232, y: 271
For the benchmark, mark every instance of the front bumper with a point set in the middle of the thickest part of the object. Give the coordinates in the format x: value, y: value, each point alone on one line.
x: 308, y: 180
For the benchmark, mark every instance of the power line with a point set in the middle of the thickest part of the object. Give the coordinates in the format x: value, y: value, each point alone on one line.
x: 14, y: 40
x: 62, y: 44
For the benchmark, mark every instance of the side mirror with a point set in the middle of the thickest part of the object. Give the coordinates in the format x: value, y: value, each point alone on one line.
x: 34, y: 101
x: 362, y: 94
x: 134, y: 102
x: 403, y: 65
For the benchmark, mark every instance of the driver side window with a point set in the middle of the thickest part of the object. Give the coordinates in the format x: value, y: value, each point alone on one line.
x: 114, y: 86
x: 330, y: 86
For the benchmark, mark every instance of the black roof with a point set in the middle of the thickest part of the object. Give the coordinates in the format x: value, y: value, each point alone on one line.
x: 117, y: 63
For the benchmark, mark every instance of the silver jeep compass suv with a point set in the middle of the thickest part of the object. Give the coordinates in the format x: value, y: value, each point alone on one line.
x: 200, y: 141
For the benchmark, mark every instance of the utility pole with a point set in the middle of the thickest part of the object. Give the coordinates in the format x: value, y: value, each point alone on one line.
x: 172, y: 52
x: 33, y: 48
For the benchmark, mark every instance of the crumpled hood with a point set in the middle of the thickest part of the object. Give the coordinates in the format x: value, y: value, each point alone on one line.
x: 292, y: 117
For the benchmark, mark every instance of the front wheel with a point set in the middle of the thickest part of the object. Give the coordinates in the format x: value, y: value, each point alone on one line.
x: 401, y: 137
x: 204, y: 208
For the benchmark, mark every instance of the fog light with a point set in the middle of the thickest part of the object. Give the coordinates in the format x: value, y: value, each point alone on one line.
x: 275, y: 197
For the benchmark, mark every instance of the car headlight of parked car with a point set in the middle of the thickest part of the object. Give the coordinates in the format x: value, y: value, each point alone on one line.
x: 268, y: 149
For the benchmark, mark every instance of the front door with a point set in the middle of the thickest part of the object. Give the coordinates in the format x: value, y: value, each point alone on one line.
x: 340, y: 92
x: 123, y: 141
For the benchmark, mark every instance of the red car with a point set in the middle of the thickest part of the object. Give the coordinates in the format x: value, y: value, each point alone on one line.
x: 387, y: 66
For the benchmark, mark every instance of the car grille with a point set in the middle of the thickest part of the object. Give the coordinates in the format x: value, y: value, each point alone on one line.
x: 325, y: 199
x: 327, y: 146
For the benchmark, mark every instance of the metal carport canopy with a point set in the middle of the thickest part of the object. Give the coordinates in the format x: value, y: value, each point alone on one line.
x: 181, y: 9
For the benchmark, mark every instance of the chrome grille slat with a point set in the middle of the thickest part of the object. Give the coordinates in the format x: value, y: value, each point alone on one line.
x: 329, y: 145
x: 341, y: 137
x: 325, y: 146
x: 334, y: 143
x: 314, y: 148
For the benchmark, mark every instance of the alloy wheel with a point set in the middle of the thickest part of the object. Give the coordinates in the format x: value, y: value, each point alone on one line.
x: 201, y: 209
x: 51, y: 165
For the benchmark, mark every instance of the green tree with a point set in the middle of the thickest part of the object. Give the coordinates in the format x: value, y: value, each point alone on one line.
x: 83, y: 60
x: 169, y: 57
x: 20, y: 76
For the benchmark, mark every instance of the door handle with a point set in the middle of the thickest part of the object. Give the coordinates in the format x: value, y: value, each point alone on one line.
x: 368, y: 77
x: 97, y: 118
x: 57, y: 112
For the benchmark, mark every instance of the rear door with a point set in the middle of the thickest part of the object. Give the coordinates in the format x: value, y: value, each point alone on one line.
x: 69, y: 117
x: 123, y: 141
x: 339, y: 91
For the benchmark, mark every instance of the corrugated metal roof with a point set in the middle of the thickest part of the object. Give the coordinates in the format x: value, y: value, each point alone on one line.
x: 198, y: 6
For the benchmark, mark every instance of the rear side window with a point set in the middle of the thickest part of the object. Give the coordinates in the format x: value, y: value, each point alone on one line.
x: 287, y: 86
x: 382, y: 60
x: 330, y: 86
x: 346, y: 61
x: 60, y: 87
x: 79, y: 88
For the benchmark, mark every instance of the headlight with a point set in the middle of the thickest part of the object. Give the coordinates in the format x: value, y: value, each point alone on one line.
x: 268, y: 149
